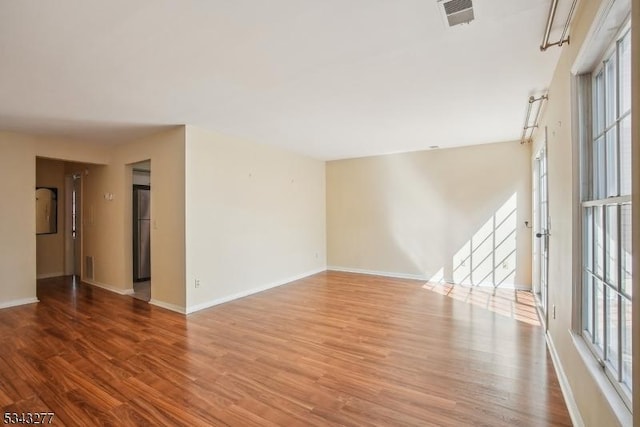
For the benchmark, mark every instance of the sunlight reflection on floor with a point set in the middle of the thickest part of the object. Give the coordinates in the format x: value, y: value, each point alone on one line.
x: 512, y: 303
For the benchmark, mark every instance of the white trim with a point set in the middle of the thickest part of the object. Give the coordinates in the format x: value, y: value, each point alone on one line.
x: 606, y: 24
x: 572, y: 406
x: 242, y: 294
x: 611, y: 395
x: 424, y: 278
x: 618, y: 200
x: 378, y: 273
x: 17, y: 302
x: 50, y: 275
x: 110, y: 288
x: 509, y: 286
x: 168, y: 306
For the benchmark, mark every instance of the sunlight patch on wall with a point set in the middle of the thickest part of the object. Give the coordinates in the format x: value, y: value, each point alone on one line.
x: 489, y: 257
x: 438, y: 277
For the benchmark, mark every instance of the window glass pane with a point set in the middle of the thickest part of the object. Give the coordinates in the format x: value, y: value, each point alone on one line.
x: 588, y: 238
x: 610, y: 91
x: 612, y: 328
x: 598, y: 314
x: 598, y: 242
x: 626, y: 342
x: 611, y: 159
x: 611, y: 246
x: 599, y: 169
x: 625, y: 249
x: 598, y: 105
x: 588, y: 303
x: 624, y: 69
x: 625, y: 156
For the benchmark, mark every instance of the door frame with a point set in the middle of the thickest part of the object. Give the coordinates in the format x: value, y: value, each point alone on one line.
x: 541, y: 230
x: 73, y: 247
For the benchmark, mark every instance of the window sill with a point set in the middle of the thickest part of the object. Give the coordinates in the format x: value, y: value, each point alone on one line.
x: 618, y: 407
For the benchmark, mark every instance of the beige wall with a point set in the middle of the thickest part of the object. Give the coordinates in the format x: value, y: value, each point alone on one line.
x: 50, y: 247
x: 17, y: 221
x: 255, y: 217
x: 72, y: 151
x: 592, y: 405
x: 108, y: 223
x: 18, y: 258
x: 410, y: 214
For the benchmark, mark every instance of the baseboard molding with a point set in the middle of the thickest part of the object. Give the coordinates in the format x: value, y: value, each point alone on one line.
x: 168, y: 306
x: 572, y: 406
x: 17, y: 302
x: 50, y: 275
x: 377, y: 273
x: 109, y: 287
x: 396, y: 275
x: 222, y: 300
x: 508, y: 286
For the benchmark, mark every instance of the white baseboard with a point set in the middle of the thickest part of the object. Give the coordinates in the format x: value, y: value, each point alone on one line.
x: 251, y: 291
x: 17, y: 302
x: 506, y: 286
x: 109, y: 287
x: 572, y: 406
x: 396, y: 275
x: 168, y: 306
x: 49, y: 275
x: 378, y: 273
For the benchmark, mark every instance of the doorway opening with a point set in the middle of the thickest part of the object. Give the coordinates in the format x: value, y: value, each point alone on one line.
x: 58, y: 195
x: 141, y: 224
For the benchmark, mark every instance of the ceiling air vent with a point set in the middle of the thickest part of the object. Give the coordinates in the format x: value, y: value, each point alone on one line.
x: 456, y: 12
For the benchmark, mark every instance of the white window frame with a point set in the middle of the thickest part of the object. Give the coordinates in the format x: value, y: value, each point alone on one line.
x: 587, y: 185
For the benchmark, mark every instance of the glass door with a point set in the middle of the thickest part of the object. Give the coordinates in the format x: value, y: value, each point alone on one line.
x: 542, y: 229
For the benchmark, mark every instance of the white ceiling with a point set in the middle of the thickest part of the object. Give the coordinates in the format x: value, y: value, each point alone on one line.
x: 327, y: 78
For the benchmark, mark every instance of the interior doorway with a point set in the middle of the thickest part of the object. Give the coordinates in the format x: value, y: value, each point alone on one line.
x: 541, y: 229
x: 141, y: 228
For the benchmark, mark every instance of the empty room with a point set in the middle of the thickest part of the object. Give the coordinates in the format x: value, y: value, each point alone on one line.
x: 360, y: 213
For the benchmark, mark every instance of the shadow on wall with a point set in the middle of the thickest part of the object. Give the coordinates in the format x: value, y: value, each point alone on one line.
x: 489, y: 256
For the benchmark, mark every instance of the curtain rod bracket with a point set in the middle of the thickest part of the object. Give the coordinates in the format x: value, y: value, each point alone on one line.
x: 550, y: 18
x: 527, y: 120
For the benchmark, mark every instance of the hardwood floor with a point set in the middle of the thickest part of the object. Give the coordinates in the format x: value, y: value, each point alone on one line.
x: 332, y: 349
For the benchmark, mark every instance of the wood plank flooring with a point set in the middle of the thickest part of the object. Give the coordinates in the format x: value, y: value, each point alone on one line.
x: 331, y: 349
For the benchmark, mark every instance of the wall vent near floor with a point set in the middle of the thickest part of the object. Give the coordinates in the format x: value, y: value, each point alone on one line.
x: 456, y: 12
x: 88, y: 267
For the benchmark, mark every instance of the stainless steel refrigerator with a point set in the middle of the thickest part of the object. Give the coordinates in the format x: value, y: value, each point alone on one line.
x: 141, y: 233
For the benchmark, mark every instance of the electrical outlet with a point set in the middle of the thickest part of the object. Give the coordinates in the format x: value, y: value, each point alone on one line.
x: 197, y: 283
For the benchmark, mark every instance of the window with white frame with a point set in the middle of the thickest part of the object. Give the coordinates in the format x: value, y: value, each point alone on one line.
x: 606, y: 217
